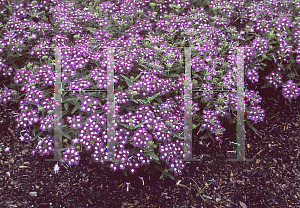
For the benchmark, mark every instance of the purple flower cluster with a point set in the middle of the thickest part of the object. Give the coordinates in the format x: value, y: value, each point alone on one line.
x: 198, y: 63
x: 172, y: 153
x: 75, y: 121
x: 252, y: 74
x: 70, y: 156
x: 290, y: 90
x: 88, y: 104
x: 252, y: 97
x: 256, y: 113
x: 121, y: 97
x: 169, y: 120
x: 212, y: 123
x: 79, y: 84
x: 27, y: 118
x: 141, y: 138
x: 208, y: 93
x: 260, y: 44
x: 228, y: 80
x: 6, y: 95
x: 274, y: 78
x: 47, y: 122
x: 150, y: 84
x: 45, y: 146
x: 100, y: 76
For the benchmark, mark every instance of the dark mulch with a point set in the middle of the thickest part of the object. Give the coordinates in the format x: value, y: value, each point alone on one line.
x: 271, y: 180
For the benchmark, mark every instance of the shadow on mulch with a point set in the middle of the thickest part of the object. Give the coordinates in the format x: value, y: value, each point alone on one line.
x: 271, y: 180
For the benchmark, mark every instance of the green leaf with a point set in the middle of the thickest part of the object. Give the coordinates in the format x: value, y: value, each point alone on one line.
x: 162, y: 175
x: 127, y: 80
x: 125, y: 125
x: 90, y: 29
x: 137, y: 126
x: 153, y: 155
x: 138, y: 76
x: 125, y: 172
x: 204, y: 136
x: 72, y: 99
x: 250, y: 125
x: 170, y: 176
x: 76, y: 107
x: 66, y: 106
x: 67, y: 135
x: 36, y: 136
x: 178, y: 136
x: 154, y: 96
x: 174, y: 75
x: 39, y: 13
x: 135, y: 101
x: 34, y: 130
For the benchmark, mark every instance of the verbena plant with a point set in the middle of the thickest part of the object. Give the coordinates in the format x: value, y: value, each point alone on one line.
x: 149, y: 72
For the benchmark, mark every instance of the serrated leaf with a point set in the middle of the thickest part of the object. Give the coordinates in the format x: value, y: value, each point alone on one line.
x: 153, y: 155
x: 34, y: 130
x: 127, y: 80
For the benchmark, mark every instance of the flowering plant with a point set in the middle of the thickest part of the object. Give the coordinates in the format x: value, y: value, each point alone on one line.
x: 149, y: 124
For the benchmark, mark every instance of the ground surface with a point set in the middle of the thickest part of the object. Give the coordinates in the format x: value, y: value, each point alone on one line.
x: 271, y: 180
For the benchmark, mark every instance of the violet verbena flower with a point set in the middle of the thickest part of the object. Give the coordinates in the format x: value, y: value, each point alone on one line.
x: 274, y: 78
x: 56, y: 168
x: 290, y: 90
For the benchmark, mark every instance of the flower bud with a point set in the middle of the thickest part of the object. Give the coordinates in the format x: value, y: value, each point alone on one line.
x: 152, y: 4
